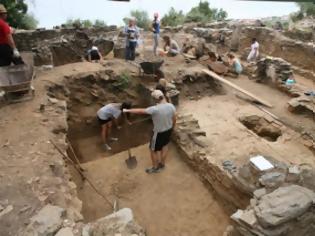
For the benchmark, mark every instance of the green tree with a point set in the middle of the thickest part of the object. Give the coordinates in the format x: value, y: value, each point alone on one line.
x: 79, y: 23
x: 203, y: 13
x: 29, y: 22
x: 173, y: 18
x: 307, y: 8
x: 99, y: 23
x: 17, y: 14
x: 142, y: 18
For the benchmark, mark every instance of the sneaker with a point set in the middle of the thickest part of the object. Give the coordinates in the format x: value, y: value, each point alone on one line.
x: 114, y: 139
x: 161, y: 166
x: 107, y: 147
x: 152, y: 170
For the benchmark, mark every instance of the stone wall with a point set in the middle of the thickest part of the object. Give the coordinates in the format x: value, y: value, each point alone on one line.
x: 275, y: 44
x: 26, y: 40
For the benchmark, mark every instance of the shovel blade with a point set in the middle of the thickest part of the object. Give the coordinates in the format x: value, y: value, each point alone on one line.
x: 131, y: 162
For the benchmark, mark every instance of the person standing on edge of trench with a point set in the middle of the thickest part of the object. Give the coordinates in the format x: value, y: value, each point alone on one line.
x: 156, y: 32
x: 254, y: 53
x: 8, y: 50
x: 106, y: 116
x: 132, y: 36
x: 164, y: 120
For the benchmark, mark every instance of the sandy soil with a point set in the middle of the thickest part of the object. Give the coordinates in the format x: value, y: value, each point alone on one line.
x: 174, y: 202
x: 229, y: 139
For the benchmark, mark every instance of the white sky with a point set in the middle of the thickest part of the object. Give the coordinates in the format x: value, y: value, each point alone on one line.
x: 56, y: 12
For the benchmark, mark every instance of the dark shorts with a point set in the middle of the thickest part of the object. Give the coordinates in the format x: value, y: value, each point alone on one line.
x: 95, y: 56
x: 6, y: 55
x: 103, y: 122
x: 160, y: 140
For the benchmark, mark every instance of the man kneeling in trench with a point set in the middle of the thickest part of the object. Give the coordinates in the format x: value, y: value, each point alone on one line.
x: 106, y: 116
x: 164, y: 120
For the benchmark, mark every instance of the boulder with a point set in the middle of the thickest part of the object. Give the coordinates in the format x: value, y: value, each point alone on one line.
x: 47, y: 222
x: 283, y: 205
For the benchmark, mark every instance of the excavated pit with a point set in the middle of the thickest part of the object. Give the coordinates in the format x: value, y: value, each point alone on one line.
x: 185, y: 205
x: 261, y: 127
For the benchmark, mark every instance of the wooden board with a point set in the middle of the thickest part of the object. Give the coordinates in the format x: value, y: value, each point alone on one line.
x: 217, y: 77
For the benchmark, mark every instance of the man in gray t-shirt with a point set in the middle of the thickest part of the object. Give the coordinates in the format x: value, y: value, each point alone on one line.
x: 164, y: 119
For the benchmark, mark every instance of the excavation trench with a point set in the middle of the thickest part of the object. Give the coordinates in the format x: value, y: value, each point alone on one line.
x: 173, y: 202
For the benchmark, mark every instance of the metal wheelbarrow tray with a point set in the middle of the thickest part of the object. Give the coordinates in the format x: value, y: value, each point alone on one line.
x: 16, y: 80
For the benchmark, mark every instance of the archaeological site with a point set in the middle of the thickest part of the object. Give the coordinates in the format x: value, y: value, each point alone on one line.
x: 241, y: 154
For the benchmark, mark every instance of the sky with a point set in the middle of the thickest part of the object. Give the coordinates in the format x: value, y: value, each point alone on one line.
x: 55, y: 12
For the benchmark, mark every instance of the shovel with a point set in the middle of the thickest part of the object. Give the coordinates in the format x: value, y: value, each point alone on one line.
x: 131, y: 161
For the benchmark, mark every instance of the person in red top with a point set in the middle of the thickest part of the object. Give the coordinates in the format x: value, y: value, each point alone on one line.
x: 8, y: 50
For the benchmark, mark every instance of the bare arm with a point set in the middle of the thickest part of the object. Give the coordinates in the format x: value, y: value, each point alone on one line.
x: 100, y: 55
x: 11, y: 41
x: 174, y: 120
x: 139, y: 111
x: 89, y: 57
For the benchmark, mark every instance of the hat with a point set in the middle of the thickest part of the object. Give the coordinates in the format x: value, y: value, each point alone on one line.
x: 2, y: 9
x: 156, y: 15
x: 157, y: 94
x: 94, y: 48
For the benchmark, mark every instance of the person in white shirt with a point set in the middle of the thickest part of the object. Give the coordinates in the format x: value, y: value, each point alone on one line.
x: 254, y: 53
x: 132, y: 35
x: 106, y: 116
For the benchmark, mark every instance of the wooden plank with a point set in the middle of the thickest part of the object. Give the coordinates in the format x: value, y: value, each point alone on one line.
x: 217, y: 77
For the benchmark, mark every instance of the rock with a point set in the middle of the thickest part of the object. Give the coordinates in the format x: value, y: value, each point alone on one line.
x: 273, y: 179
x: 47, y: 221
x: 248, y: 217
x: 259, y: 193
x: 6, y: 210
x: 121, y: 222
x: 65, y: 232
x: 283, y: 205
x: 53, y: 100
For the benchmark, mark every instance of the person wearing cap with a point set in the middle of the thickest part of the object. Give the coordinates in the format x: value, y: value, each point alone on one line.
x: 156, y: 32
x: 94, y: 54
x: 132, y: 36
x: 164, y: 119
x: 106, y: 116
x: 8, y: 50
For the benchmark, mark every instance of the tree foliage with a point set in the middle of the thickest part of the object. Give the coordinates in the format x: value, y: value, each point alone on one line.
x: 204, y: 13
x: 18, y: 16
x: 84, y: 23
x: 142, y: 18
x: 306, y: 9
x: 173, y: 18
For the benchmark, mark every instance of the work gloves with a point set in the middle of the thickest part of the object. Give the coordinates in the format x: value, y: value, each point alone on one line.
x: 16, y: 53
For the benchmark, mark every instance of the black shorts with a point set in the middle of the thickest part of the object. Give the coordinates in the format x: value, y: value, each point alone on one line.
x: 95, y: 56
x: 160, y: 140
x: 6, y: 55
x: 103, y: 122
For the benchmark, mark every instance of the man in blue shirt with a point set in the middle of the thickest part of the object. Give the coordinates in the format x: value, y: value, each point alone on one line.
x: 156, y: 32
x: 132, y: 36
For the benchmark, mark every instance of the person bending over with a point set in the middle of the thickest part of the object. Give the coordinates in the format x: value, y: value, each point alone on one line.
x: 170, y: 48
x: 94, y: 54
x: 164, y: 119
x: 106, y: 116
x: 235, y: 65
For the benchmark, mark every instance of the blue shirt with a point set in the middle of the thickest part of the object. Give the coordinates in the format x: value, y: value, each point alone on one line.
x: 156, y: 26
x: 238, y: 67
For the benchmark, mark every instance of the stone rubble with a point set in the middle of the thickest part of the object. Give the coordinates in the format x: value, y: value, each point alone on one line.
x: 285, y: 211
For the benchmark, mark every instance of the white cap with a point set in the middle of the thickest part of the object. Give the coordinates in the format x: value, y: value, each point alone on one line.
x: 157, y: 94
x: 94, y: 48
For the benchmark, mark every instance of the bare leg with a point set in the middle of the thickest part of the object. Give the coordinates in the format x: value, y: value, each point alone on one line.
x: 154, y: 159
x: 109, y: 129
x: 164, y: 154
x: 104, y: 133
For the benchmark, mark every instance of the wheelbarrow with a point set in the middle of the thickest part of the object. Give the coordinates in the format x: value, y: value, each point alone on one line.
x: 16, y: 81
x: 151, y: 68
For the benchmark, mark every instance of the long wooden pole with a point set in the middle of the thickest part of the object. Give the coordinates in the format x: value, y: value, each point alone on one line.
x: 84, y: 177
x: 217, y: 77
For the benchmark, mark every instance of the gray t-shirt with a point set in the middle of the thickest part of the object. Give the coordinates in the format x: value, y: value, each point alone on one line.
x: 162, y: 116
x: 109, y: 111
